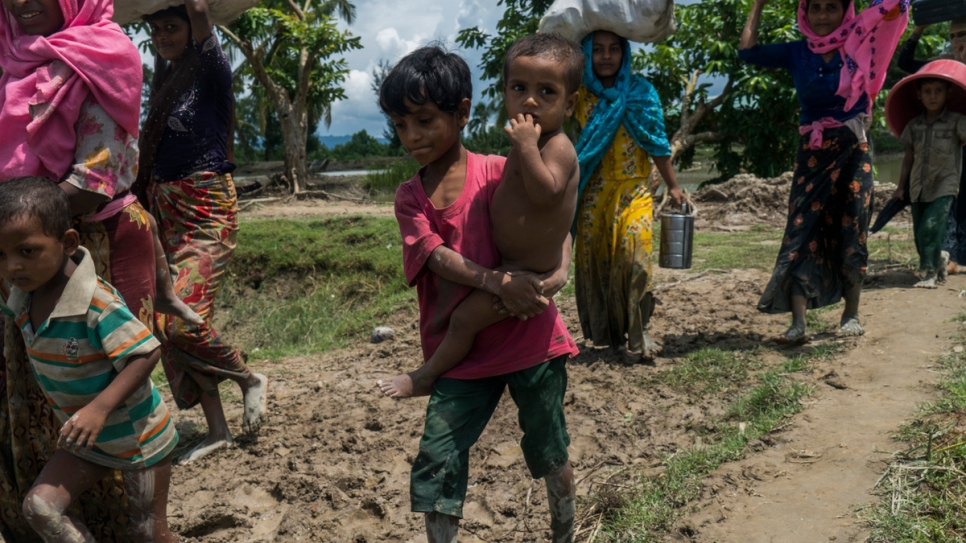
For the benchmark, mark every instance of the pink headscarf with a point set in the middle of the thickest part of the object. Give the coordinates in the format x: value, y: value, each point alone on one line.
x: 47, y: 79
x: 866, y: 42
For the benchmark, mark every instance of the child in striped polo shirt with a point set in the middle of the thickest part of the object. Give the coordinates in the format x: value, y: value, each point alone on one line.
x: 93, y: 360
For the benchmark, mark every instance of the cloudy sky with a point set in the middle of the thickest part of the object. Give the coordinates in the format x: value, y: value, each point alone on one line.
x: 389, y: 30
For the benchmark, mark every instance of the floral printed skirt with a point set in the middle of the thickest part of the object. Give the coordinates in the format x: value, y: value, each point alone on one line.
x: 28, y: 431
x: 198, y: 221
x: 613, y: 261
x: 824, y: 249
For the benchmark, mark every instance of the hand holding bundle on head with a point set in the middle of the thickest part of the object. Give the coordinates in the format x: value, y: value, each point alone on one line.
x: 222, y: 12
x: 637, y: 20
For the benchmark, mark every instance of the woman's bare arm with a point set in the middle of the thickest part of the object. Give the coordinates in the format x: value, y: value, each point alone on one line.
x: 201, y: 27
x: 749, y: 34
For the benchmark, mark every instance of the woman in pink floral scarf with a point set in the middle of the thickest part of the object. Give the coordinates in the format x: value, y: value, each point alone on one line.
x: 838, y: 69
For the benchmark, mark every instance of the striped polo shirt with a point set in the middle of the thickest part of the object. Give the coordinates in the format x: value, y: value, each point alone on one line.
x: 79, y: 350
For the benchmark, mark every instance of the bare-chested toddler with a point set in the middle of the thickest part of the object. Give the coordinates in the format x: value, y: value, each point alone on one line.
x: 533, y: 207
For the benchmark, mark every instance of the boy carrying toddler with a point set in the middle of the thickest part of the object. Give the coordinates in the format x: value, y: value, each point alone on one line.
x: 931, y: 170
x: 451, y: 227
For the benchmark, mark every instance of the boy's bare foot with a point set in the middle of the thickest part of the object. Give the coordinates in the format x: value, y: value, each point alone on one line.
x: 943, y: 267
x: 952, y: 268
x: 850, y: 327
x: 651, y: 347
x: 796, y: 334
x: 928, y: 282
x: 207, y: 447
x: 256, y: 403
x: 407, y: 385
x: 169, y: 304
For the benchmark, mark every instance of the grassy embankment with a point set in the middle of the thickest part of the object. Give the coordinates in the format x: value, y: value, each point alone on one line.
x: 299, y: 286
x: 924, y: 489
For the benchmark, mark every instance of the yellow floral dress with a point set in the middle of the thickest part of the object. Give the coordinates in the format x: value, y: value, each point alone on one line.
x: 613, y: 248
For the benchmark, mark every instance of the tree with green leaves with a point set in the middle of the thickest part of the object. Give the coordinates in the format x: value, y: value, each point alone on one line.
x: 295, y: 54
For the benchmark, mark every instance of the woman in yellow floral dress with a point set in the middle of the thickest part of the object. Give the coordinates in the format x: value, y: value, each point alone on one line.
x: 622, y: 127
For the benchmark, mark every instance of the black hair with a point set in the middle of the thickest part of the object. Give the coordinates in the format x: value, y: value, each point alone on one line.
x: 927, y: 80
x: 179, y: 11
x: 428, y: 74
x: 36, y: 197
x: 553, y: 46
x: 845, y: 4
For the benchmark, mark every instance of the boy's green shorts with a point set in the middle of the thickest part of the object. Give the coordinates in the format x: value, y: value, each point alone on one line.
x: 457, y: 413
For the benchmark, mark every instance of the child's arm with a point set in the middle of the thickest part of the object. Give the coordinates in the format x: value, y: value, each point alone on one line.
x: 520, y: 293
x: 904, y: 174
x: 666, y: 170
x: 547, y: 172
x: 81, y: 430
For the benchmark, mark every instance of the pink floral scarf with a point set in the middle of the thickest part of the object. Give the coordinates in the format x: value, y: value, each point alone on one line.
x: 866, y: 42
x: 46, y: 80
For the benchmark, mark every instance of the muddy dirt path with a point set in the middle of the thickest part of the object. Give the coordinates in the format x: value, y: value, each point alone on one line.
x: 806, y: 487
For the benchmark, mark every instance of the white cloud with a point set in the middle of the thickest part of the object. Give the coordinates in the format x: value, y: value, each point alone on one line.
x: 389, y: 31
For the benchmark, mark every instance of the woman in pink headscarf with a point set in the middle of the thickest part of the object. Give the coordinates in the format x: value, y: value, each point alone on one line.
x: 69, y: 111
x: 838, y: 69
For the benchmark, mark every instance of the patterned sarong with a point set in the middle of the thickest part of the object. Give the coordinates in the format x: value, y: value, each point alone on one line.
x: 27, y: 427
x: 198, y: 221
x: 824, y: 249
x: 613, y: 261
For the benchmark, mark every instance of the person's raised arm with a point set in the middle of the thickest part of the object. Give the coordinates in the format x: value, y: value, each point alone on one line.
x: 201, y: 27
x: 544, y: 179
x: 749, y: 34
x: 907, y: 55
x: 520, y: 293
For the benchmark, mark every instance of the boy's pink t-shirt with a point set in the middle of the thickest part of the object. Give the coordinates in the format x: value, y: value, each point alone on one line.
x: 508, y: 346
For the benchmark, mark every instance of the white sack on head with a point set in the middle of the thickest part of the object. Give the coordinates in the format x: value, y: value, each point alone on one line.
x: 637, y: 20
x: 222, y: 12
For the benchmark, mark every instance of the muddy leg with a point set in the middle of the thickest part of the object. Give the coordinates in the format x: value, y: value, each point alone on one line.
x: 147, y: 494
x: 219, y: 437
x: 561, y: 494
x: 850, y: 325
x: 63, y: 479
x: 798, y: 331
x: 441, y: 528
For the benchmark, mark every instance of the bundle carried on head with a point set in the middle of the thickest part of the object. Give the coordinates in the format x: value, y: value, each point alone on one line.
x: 222, y: 12
x: 642, y: 21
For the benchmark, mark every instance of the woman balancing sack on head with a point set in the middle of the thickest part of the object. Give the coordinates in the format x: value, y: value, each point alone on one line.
x: 622, y: 131
x: 69, y: 109
x: 838, y: 69
x: 185, y: 174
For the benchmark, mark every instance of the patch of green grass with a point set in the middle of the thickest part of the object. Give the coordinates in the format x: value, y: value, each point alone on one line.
x: 924, y: 490
x: 647, y: 508
x: 297, y: 286
x: 753, y: 248
x: 385, y: 179
x: 897, y: 246
x: 710, y: 370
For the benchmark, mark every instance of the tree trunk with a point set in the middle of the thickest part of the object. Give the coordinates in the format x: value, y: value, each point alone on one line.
x: 293, y: 139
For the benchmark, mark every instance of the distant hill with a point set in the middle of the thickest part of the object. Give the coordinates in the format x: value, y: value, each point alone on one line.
x: 332, y: 141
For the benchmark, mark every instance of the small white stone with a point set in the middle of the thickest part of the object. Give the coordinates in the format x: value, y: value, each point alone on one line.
x: 382, y: 333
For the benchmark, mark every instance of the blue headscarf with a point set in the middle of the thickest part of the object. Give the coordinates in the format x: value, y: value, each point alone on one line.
x: 632, y: 101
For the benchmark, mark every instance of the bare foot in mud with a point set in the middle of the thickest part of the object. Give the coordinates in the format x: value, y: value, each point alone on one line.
x: 256, y: 403
x: 651, y: 349
x: 169, y: 304
x: 207, y: 447
x: 943, y: 270
x: 928, y: 282
x: 407, y: 385
x: 850, y: 327
x: 795, y: 335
